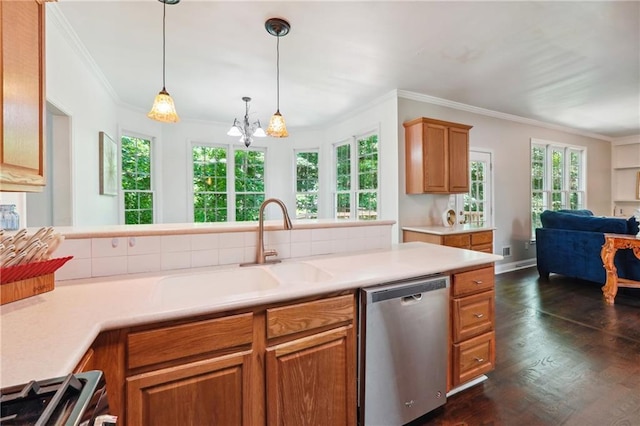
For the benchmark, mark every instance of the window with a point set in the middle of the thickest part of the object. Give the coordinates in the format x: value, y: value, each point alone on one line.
x: 306, y: 184
x: 249, y: 183
x: 209, y: 184
x: 227, y: 188
x: 136, y: 180
x: 557, y: 179
x: 357, y: 178
x: 475, y: 206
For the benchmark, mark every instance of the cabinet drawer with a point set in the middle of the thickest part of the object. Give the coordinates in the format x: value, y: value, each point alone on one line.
x: 473, y: 315
x: 174, y: 342
x: 485, y: 248
x: 459, y: 240
x: 473, y: 358
x: 484, y: 237
x: 472, y: 281
x: 309, y: 315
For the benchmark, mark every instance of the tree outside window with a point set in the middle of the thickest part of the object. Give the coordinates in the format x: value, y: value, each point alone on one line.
x: 136, y: 180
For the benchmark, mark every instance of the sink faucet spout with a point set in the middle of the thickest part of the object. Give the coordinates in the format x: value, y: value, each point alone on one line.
x: 261, y: 253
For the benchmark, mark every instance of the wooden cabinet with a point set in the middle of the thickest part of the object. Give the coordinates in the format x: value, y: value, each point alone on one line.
x: 311, y: 380
x: 22, y: 69
x: 472, y: 335
x: 208, y: 392
x: 436, y: 156
x: 470, y: 240
x: 280, y: 364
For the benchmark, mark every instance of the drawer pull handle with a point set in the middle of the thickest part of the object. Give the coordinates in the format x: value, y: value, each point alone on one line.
x: 479, y: 359
x: 477, y: 282
x: 478, y: 315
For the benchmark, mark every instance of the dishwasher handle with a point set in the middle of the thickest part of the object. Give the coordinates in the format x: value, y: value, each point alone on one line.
x: 407, y: 292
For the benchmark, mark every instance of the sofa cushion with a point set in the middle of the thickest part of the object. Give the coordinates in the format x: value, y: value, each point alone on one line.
x: 582, y: 212
x: 556, y: 220
x: 633, y: 227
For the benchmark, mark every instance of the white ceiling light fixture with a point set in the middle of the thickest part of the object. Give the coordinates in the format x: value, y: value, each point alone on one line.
x: 245, y: 130
x: 163, y: 108
x: 279, y: 28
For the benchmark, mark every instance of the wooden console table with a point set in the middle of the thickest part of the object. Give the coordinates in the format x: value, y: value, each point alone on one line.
x: 613, y: 242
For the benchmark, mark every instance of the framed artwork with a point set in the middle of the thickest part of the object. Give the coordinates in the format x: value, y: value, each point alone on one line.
x: 108, y: 165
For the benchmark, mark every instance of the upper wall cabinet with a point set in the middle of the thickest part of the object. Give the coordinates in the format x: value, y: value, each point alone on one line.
x: 437, y: 156
x: 22, y: 92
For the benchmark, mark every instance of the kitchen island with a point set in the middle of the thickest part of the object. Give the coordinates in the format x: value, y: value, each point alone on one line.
x: 48, y: 335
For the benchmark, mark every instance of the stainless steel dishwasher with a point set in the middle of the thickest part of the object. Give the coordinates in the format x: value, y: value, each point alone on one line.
x: 402, y: 350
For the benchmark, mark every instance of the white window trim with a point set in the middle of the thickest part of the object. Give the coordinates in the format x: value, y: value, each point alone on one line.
x: 547, y: 178
x: 297, y: 151
x: 193, y: 144
x: 231, y: 178
x: 156, y: 175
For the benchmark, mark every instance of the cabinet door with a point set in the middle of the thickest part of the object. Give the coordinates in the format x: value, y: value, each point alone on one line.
x: 458, y: 160
x: 208, y: 392
x: 436, y: 168
x: 312, y: 380
x: 23, y: 96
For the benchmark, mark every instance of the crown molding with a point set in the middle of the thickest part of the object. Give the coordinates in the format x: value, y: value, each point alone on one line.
x: 57, y: 18
x: 406, y: 94
x: 627, y: 140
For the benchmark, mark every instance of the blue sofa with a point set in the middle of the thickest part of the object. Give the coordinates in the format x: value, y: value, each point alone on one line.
x: 570, y: 241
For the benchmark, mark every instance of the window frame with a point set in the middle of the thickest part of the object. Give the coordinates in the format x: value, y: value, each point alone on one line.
x: 231, y: 178
x: 547, y: 192
x: 154, y: 175
x: 295, y: 181
x: 354, y: 175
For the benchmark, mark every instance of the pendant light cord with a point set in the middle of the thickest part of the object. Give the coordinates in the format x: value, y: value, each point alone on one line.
x: 164, y: 18
x: 278, y: 73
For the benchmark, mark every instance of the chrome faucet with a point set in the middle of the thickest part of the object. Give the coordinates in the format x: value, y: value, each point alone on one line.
x: 261, y: 253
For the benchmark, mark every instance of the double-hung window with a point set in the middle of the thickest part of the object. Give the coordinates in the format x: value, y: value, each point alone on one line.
x: 137, y: 185
x: 557, y: 178
x: 227, y: 187
x: 306, y: 184
x: 356, y: 178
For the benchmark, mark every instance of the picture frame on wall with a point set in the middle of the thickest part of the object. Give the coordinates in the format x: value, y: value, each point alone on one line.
x: 108, y: 165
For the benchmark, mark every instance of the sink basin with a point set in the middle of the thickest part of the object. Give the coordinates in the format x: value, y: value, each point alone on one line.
x: 299, y: 272
x: 216, y: 284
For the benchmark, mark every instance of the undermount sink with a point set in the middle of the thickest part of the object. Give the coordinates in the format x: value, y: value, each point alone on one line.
x: 299, y: 272
x: 228, y: 282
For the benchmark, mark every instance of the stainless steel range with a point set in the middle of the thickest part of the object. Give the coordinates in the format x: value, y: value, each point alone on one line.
x: 402, y: 350
x: 76, y: 399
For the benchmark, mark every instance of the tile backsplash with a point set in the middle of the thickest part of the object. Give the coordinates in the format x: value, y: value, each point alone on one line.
x: 99, y: 257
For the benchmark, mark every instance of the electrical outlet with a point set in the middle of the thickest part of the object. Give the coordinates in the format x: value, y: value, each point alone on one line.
x: 526, y: 245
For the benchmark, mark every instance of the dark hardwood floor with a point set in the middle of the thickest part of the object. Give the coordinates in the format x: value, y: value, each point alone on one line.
x: 563, y: 357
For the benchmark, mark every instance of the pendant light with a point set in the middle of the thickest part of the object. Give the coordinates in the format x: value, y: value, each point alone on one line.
x: 245, y: 130
x: 163, y: 108
x: 279, y: 28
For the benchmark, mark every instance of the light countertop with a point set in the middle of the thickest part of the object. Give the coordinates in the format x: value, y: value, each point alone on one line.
x: 46, y: 335
x: 447, y: 230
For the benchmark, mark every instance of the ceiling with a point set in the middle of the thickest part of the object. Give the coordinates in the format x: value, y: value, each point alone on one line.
x: 574, y: 64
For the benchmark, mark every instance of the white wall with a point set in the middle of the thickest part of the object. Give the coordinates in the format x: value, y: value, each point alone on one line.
x: 510, y: 143
x: 73, y: 88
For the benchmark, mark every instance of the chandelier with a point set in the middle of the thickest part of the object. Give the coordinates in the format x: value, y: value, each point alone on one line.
x: 245, y: 130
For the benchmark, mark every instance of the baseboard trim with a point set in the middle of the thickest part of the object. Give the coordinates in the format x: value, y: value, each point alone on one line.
x: 467, y: 385
x: 514, y: 266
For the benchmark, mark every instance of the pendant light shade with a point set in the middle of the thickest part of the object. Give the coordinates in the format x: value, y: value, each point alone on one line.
x: 279, y: 28
x: 163, y: 108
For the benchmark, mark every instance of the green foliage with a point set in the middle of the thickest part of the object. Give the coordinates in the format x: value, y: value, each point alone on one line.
x: 307, y: 175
